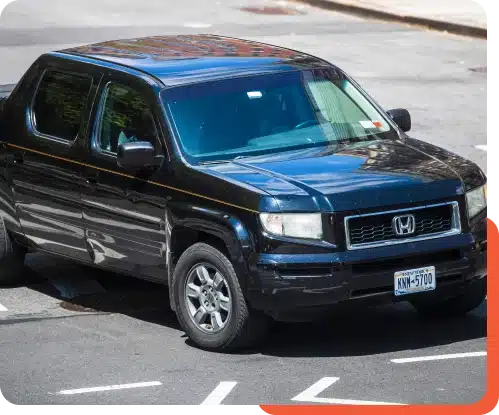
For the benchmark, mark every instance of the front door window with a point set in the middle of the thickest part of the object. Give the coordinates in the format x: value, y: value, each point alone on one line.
x: 125, y: 118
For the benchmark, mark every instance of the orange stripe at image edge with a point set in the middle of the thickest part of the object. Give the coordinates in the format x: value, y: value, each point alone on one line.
x: 484, y: 406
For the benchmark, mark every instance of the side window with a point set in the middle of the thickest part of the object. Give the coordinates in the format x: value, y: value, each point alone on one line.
x: 59, y: 103
x: 125, y: 118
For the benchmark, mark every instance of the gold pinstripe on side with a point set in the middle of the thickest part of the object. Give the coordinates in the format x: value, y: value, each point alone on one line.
x: 131, y: 177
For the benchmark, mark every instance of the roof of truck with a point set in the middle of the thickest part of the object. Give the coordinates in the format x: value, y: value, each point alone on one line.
x: 190, y: 58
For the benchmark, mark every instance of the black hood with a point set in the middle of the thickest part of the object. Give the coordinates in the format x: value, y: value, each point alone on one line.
x: 357, y: 176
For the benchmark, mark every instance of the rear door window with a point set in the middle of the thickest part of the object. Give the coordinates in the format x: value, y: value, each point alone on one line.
x: 59, y: 104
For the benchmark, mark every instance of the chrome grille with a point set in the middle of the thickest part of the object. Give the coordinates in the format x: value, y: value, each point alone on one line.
x: 376, y: 229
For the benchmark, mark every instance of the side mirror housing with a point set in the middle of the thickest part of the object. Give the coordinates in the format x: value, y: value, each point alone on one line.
x: 137, y: 156
x: 402, y: 118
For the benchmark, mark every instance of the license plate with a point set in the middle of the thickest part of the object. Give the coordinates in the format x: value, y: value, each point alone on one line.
x: 415, y: 280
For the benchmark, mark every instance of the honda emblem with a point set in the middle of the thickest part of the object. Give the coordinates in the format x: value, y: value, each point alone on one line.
x: 404, y: 225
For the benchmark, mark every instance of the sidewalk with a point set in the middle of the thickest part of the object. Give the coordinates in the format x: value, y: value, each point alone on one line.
x: 458, y: 16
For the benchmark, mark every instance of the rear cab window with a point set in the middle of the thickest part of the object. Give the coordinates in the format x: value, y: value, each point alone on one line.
x: 59, y: 104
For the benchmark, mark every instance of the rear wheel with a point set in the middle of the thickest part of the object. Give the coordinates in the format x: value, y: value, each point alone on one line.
x: 11, y: 256
x: 210, y: 305
x: 455, y: 306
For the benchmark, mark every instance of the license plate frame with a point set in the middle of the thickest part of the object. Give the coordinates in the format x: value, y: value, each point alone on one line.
x: 414, y: 280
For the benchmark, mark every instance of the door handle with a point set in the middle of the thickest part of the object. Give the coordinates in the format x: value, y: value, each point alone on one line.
x: 92, y: 178
x: 16, y: 158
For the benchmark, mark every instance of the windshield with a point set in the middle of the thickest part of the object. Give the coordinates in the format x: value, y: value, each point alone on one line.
x: 271, y: 113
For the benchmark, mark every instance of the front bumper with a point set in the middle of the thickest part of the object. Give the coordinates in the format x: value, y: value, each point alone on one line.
x: 288, y: 286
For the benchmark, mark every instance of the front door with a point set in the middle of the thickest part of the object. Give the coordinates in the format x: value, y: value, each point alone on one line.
x: 124, y: 212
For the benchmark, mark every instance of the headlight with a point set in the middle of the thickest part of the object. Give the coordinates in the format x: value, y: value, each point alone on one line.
x: 476, y: 200
x: 296, y: 225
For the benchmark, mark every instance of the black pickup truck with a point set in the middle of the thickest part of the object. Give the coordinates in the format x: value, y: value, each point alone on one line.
x: 256, y: 182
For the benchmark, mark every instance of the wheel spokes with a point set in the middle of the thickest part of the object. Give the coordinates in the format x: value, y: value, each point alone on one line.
x: 207, y: 297
x: 200, y: 315
x: 218, y: 281
x: 202, y: 274
x: 224, y: 302
x: 193, y: 290
x: 216, y: 320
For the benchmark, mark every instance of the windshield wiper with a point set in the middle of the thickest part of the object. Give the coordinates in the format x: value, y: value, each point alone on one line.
x: 353, y: 140
x: 213, y: 162
x: 222, y: 161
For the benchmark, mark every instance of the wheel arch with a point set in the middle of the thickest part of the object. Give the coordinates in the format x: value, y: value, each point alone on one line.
x: 226, y: 233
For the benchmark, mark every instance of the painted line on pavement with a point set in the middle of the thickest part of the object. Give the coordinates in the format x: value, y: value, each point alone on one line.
x: 219, y: 394
x: 108, y: 388
x: 482, y: 147
x: 439, y: 357
x: 2, y: 308
x: 310, y: 395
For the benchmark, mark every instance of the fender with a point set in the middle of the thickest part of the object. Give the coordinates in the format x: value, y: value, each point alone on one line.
x: 220, y: 225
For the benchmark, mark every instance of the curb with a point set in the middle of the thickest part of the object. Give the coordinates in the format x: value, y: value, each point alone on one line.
x: 440, y: 25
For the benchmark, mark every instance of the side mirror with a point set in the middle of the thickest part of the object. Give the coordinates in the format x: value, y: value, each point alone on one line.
x: 402, y: 118
x: 137, y: 156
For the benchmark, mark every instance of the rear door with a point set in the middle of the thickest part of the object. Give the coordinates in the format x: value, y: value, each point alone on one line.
x: 44, y: 160
x: 125, y: 213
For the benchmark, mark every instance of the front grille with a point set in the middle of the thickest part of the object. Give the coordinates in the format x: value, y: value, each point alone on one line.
x: 378, y: 229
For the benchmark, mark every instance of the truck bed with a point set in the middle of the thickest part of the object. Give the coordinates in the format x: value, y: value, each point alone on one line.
x: 5, y: 90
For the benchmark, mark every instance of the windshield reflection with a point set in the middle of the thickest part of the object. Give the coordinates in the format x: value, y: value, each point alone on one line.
x: 272, y: 113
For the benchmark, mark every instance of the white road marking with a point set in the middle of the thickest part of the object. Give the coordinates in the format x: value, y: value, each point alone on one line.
x: 2, y: 308
x: 439, y: 357
x: 482, y: 147
x: 310, y: 395
x: 219, y: 394
x: 108, y: 388
x: 198, y: 25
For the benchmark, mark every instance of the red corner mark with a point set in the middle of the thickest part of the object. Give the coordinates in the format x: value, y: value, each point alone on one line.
x: 484, y: 406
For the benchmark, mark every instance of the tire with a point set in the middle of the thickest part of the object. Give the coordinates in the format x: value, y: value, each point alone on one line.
x: 243, y: 327
x: 455, y: 306
x: 11, y: 257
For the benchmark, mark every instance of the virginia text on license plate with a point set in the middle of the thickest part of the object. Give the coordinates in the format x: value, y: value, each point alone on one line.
x: 415, y: 280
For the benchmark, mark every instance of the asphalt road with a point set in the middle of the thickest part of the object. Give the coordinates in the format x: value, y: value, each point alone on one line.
x: 117, y: 331
x: 124, y: 334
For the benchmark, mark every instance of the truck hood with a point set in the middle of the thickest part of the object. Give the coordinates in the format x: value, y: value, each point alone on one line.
x: 353, y: 177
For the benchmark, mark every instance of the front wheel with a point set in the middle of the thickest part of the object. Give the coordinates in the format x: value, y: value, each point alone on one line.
x: 455, y: 306
x: 210, y: 305
x: 11, y: 256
